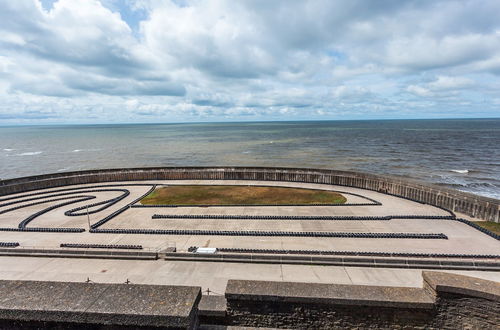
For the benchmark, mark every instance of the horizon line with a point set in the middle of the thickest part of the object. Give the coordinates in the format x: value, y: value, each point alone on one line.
x: 244, y: 121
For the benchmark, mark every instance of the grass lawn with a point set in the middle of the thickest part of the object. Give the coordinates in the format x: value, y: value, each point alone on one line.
x: 491, y: 226
x: 216, y: 195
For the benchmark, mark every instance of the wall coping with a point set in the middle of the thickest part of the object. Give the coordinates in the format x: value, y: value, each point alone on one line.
x: 99, y: 303
x: 338, y: 294
x: 434, y: 283
x: 462, y: 285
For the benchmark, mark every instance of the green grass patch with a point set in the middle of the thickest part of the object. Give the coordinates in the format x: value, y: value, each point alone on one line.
x: 230, y: 195
x: 491, y: 226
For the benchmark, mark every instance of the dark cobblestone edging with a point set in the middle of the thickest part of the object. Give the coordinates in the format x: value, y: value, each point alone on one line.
x: 44, y: 230
x: 25, y: 222
x: 45, y: 201
x: 90, y: 188
x: 107, y: 203
x: 101, y: 246
x: 72, y: 212
x: 481, y: 229
x: 121, y: 210
x: 69, y: 193
x: 270, y: 233
x: 353, y: 253
x: 9, y: 244
x: 299, y: 217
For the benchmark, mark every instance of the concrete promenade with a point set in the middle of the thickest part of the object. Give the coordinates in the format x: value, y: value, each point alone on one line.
x: 462, y: 239
x: 207, y: 275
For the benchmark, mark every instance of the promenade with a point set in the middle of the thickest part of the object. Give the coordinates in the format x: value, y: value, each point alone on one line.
x: 359, y: 226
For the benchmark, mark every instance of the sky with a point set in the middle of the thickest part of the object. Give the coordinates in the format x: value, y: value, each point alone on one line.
x: 147, y: 61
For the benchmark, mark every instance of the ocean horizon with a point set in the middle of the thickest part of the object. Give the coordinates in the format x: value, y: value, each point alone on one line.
x: 459, y: 153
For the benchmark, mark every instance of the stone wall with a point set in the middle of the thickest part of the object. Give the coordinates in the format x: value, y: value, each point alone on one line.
x: 446, y: 301
x: 475, y: 206
x: 454, y: 311
x: 73, y: 305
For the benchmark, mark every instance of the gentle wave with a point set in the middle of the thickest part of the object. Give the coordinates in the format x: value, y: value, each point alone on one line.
x: 380, y: 147
x: 33, y: 153
x: 6, y: 149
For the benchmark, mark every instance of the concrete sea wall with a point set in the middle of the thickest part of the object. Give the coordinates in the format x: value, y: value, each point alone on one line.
x: 472, y: 205
x: 446, y: 301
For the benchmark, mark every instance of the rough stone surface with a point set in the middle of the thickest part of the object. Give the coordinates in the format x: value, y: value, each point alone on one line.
x: 462, y: 285
x: 454, y: 311
x: 315, y: 293
x: 99, y: 304
x: 300, y: 305
x: 212, y: 306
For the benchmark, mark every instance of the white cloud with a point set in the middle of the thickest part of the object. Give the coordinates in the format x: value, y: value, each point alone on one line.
x: 419, y: 90
x: 450, y: 83
x: 262, y: 59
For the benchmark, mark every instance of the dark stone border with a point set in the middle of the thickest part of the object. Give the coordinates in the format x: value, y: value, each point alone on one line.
x: 121, y: 210
x: 481, y: 229
x: 298, y: 217
x: 44, y: 230
x: 270, y: 233
x: 9, y: 244
x: 353, y: 253
x: 70, y: 192
x: 101, y: 246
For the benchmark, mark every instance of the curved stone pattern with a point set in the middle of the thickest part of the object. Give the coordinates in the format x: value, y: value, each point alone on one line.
x: 469, y: 204
x: 371, y: 221
x: 70, y: 194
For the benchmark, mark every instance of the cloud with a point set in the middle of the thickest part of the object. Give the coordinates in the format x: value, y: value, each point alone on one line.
x: 183, y: 60
x: 442, y: 85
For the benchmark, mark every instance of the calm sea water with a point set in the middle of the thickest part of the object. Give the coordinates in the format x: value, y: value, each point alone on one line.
x: 463, y: 154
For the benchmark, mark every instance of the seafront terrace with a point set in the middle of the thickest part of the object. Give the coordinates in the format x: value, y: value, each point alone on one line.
x: 374, y: 238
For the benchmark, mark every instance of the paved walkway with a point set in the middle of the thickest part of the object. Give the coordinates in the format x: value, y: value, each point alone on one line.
x: 462, y: 239
x: 210, y: 275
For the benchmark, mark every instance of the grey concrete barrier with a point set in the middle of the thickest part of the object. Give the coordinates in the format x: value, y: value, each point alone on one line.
x: 456, y: 201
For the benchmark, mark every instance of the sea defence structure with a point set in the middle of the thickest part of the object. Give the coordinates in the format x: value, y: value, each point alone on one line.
x: 469, y: 204
x: 445, y: 301
x: 80, y: 249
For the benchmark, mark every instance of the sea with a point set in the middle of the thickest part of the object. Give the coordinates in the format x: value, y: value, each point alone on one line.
x: 461, y: 153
